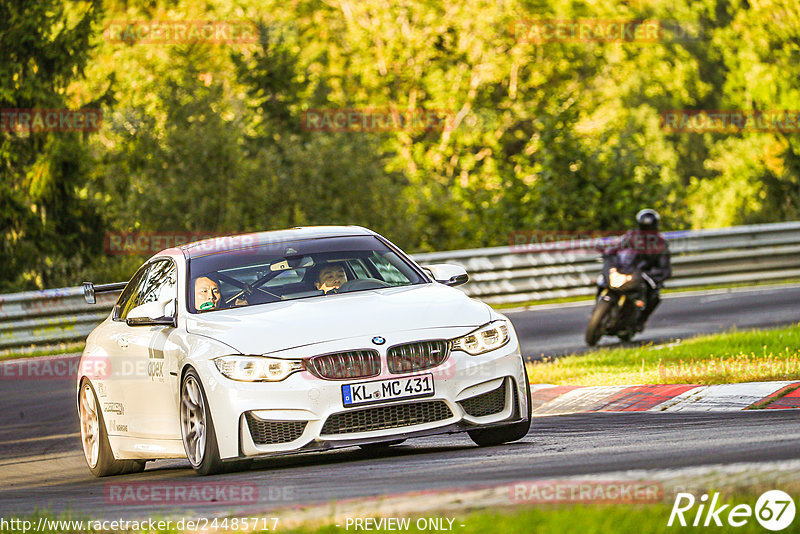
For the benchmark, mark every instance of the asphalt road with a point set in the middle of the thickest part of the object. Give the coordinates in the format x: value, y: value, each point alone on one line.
x: 41, y: 465
x: 51, y: 473
x: 559, y: 329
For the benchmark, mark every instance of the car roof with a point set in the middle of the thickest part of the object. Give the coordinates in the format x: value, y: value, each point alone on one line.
x: 240, y: 241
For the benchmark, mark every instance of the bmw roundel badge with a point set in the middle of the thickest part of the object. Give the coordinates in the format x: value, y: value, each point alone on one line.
x: 378, y: 340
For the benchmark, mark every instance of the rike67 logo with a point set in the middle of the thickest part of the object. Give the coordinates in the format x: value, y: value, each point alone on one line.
x: 774, y: 510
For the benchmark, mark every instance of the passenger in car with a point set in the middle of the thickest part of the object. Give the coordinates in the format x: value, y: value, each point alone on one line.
x: 331, y: 277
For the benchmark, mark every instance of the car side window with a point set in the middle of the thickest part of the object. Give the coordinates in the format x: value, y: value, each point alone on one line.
x: 161, y: 285
x: 389, y: 272
x: 358, y: 268
x: 127, y: 300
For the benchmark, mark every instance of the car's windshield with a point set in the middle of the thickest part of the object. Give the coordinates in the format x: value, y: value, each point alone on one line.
x: 290, y: 270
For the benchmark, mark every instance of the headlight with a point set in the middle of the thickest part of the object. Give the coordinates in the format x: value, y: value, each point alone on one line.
x: 256, y: 368
x: 616, y: 279
x: 489, y: 337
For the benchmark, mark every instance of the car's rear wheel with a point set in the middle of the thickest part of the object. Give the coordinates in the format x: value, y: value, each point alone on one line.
x: 487, y: 437
x: 94, y: 438
x: 197, y: 427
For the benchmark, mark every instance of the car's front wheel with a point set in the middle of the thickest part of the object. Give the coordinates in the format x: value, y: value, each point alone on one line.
x: 487, y: 437
x: 94, y: 438
x: 197, y: 428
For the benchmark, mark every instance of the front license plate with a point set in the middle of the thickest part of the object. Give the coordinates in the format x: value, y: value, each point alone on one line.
x: 387, y: 390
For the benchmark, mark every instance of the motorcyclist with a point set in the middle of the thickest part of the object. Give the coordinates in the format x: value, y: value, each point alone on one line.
x: 652, y: 258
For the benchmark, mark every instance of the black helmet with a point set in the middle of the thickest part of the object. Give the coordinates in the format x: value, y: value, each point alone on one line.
x: 647, y: 219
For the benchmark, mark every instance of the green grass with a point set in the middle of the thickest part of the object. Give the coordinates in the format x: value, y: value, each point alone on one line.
x: 542, y: 302
x: 747, y: 356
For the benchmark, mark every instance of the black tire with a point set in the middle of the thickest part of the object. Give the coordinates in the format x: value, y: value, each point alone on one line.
x: 205, y: 459
x: 594, y: 330
x: 380, y: 446
x: 487, y: 437
x: 105, y: 464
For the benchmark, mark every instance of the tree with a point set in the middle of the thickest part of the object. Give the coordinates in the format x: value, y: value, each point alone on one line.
x: 48, y: 226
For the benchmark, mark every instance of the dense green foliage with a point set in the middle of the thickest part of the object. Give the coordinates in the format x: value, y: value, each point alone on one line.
x: 208, y: 136
x: 48, y: 229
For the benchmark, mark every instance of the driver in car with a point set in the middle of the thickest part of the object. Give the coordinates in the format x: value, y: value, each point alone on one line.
x: 206, y: 294
x: 331, y: 277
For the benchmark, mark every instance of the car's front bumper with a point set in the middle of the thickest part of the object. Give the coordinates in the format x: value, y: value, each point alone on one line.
x: 303, y: 398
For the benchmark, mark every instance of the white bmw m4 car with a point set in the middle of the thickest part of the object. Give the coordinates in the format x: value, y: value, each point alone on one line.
x: 299, y: 340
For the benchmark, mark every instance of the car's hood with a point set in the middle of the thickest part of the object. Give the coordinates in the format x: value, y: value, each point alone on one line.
x: 272, y: 327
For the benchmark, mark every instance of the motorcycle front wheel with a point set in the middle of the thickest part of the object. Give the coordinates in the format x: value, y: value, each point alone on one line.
x: 594, y: 331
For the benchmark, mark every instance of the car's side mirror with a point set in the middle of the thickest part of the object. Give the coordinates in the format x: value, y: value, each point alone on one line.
x: 160, y: 313
x: 448, y: 274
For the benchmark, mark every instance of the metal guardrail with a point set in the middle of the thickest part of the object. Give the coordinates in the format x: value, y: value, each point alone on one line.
x: 740, y: 254
x: 50, y: 316
x: 499, y: 275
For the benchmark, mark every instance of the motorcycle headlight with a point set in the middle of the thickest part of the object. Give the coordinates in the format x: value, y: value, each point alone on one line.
x: 488, y: 337
x: 616, y: 279
x: 256, y: 368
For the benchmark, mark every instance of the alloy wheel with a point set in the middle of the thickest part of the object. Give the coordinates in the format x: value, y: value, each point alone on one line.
x: 90, y: 426
x: 193, y: 421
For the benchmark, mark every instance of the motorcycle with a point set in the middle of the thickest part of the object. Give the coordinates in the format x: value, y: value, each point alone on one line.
x: 620, y: 297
